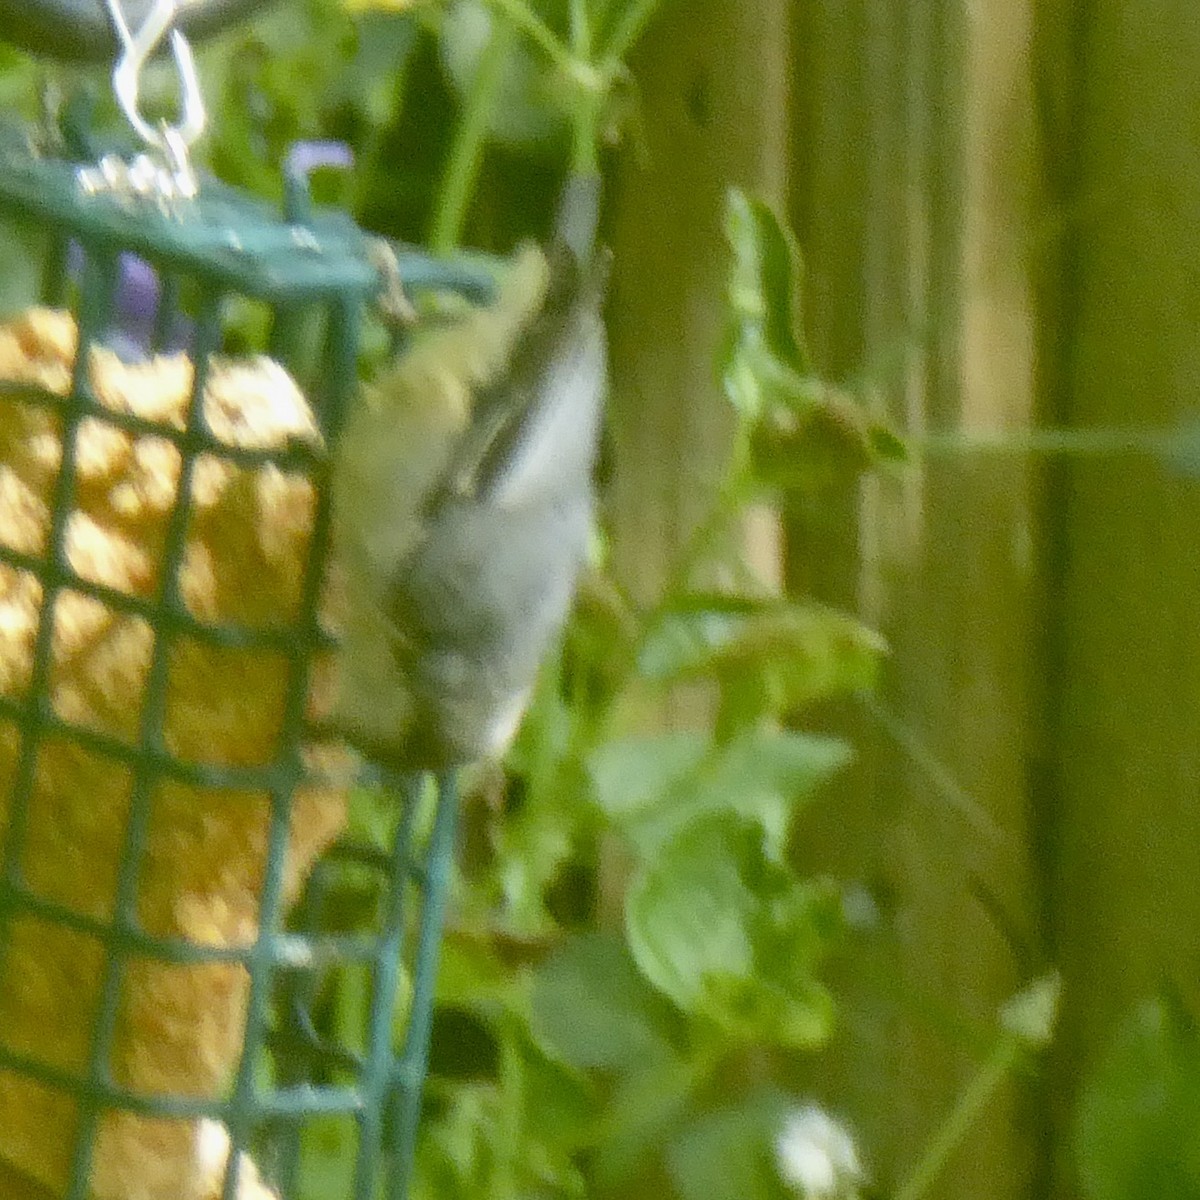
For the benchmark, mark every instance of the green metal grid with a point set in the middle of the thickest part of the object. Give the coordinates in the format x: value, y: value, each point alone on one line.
x: 224, y: 244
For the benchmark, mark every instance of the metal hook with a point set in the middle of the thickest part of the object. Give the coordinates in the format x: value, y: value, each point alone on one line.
x: 136, y: 52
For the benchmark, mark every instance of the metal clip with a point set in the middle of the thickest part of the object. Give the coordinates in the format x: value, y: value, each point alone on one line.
x: 137, y: 48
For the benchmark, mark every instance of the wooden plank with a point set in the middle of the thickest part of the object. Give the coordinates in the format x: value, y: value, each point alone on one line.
x: 713, y: 76
x: 1127, y: 905
x: 940, y: 128
x: 713, y: 79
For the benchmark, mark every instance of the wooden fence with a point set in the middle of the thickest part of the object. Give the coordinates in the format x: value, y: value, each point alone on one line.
x: 999, y: 205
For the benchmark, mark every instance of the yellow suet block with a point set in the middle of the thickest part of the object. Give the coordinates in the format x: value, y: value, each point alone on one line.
x: 179, y: 1028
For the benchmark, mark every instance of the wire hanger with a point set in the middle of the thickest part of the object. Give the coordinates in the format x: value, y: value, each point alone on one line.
x: 137, y: 49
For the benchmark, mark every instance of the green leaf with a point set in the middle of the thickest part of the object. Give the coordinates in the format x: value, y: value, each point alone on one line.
x: 543, y: 741
x: 765, y: 284
x: 327, y: 1157
x: 811, y: 435
x: 598, y: 649
x: 516, y: 1136
x: 630, y: 775
x: 793, y: 652
x: 472, y: 975
x: 593, y: 1010
x: 689, y: 635
x: 798, y: 1015
x: 533, y: 844
x: 806, y: 434
x: 728, y: 935
x: 765, y: 774
x: 688, y: 914
x: 561, y: 1101
x: 729, y: 1154
x: 646, y: 1107
x: 653, y: 786
x: 453, y: 1156
x: 1137, y: 1136
x: 532, y: 849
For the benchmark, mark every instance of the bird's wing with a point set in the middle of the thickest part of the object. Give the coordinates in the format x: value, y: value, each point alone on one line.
x: 536, y: 426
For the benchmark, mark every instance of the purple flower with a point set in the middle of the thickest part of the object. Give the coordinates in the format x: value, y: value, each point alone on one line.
x: 305, y: 157
x: 135, y: 306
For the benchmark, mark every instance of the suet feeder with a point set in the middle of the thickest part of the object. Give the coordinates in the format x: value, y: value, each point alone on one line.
x: 172, y: 822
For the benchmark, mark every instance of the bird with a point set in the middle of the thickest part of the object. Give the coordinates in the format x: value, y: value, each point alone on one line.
x: 463, y: 506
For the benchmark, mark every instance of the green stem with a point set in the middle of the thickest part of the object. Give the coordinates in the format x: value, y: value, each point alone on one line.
x: 934, y: 770
x: 466, y: 150
x: 585, y: 156
x: 586, y: 114
x: 633, y: 21
x: 505, y: 1182
x: 538, y: 32
x: 962, y: 1117
x: 1042, y: 442
x: 581, y: 34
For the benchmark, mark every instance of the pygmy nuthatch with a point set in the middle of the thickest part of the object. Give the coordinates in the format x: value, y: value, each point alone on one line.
x: 463, y: 506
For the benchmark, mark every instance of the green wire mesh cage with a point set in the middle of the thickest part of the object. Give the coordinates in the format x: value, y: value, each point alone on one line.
x: 164, y: 946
